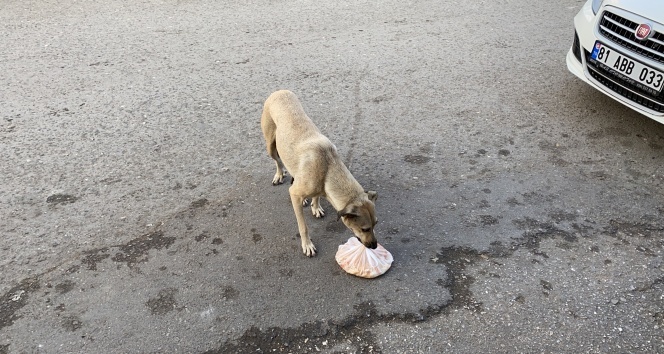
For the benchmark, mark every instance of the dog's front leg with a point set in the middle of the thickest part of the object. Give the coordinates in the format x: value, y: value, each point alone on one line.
x: 307, y: 246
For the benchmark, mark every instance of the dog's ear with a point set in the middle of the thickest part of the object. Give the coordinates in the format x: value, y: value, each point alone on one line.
x: 348, y: 212
x: 372, y: 195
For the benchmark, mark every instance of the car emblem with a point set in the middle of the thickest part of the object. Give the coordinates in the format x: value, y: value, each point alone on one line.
x: 643, y: 31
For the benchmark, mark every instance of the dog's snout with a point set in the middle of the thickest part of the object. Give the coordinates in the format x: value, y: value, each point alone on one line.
x: 368, y: 244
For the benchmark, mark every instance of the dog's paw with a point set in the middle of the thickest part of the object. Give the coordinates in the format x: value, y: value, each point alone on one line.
x: 318, y: 212
x: 305, y: 202
x: 309, y: 249
x: 278, y: 179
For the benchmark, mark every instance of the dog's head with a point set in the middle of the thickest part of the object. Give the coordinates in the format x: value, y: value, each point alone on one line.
x: 360, y: 217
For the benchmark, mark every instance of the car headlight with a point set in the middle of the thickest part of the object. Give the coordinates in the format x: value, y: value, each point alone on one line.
x: 596, y: 5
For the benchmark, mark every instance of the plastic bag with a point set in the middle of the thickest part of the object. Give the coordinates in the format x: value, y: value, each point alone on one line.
x: 357, y: 259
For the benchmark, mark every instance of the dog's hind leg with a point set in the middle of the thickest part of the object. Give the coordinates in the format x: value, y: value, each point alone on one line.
x: 279, y: 175
x: 269, y: 133
x: 316, y: 209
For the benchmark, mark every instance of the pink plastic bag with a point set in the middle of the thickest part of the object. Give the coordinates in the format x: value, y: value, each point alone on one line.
x: 356, y: 259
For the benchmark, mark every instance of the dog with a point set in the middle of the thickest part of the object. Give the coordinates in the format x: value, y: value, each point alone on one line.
x: 297, y: 146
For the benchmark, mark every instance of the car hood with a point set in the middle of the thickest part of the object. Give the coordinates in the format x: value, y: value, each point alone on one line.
x: 653, y: 10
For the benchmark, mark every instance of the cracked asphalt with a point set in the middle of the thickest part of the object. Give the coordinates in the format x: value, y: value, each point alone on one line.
x: 523, y: 209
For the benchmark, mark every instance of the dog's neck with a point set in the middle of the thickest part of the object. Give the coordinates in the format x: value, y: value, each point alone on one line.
x: 342, y: 194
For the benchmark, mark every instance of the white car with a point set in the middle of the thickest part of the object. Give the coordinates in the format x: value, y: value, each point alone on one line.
x: 618, y: 49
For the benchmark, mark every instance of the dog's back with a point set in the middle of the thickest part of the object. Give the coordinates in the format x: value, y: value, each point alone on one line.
x: 285, y: 111
x: 291, y: 133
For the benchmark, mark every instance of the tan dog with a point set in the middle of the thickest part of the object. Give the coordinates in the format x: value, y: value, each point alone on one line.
x: 294, y: 142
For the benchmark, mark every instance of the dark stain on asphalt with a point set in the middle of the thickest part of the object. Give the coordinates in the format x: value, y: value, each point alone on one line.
x: 93, y: 257
x: 217, y: 241
x: 229, y: 293
x: 65, y: 287
x: 520, y: 299
x: 199, y: 203
x: 535, y: 231
x: 286, y: 272
x: 417, y: 159
x: 646, y: 251
x: 537, y: 198
x: 601, y: 175
x: 498, y: 250
x: 4, y: 349
x: 487, y: 220
x: 320, y: 335
x: 556, y: 151
x: 546, y: 286
x: 659, y: 318
x: 379, y: 99
x: 557, y: 161
x: 275, y: 339
x: 559, y: 216
x: 565, y: 245
x: 110, y: 180
x: 71, y: 323
x: 582, y: 229
x: 201, y: 237
x: 456, y: 259
x: 164, y: 302
x: 14, y: 299
x: 61, y: 199
x: 513, y: 202
x: 136, y: 251
x: 657, y: 283
x: 617, y: 228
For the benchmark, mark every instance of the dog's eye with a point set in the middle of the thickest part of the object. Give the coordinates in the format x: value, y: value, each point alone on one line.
x: 366, y: 229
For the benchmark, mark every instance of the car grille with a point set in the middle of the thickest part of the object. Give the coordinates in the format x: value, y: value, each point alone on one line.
x: 621, y: 31
x: 630, y: 95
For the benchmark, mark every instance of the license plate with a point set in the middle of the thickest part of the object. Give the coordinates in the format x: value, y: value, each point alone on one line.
x: 623, y: 65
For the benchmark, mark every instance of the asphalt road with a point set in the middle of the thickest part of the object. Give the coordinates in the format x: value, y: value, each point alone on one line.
x: 523, y: 209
